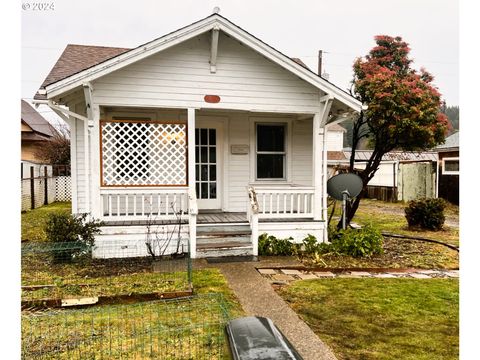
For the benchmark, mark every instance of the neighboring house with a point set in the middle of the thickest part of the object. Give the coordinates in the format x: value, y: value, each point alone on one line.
x: 208, y: 121
x: 35, y: 132
x: 401, y: 176
x: 449, y: 168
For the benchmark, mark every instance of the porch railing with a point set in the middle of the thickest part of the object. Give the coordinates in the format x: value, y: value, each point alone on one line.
x: 285, y: 202
x: 142, y: 204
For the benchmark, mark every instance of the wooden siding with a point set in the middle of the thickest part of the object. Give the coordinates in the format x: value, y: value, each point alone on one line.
x: 180, y: 77
x: 335, y: 140
x: 302, y: 152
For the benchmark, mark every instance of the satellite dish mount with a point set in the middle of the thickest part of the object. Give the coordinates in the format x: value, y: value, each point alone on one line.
x: 344, y: 187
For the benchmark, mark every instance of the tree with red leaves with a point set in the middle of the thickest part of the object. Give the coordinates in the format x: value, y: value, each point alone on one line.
x: 403, y: 107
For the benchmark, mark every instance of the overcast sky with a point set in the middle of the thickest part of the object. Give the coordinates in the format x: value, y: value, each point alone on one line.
x: 343, y: 29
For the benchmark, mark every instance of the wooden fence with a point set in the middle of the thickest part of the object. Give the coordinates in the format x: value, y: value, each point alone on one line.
x: 44, y: 184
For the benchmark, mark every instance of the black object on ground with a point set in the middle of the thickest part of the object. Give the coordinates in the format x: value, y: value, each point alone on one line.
x: 257, y: 338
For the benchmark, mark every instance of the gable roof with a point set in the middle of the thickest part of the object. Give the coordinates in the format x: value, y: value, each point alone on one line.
x: 214, y: 21
x: 451, y: 143
x: 36, y: 121
x: 76, y: 58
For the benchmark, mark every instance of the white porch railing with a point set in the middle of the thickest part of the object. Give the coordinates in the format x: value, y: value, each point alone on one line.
x: 285, y: 202
x: 142, y: 204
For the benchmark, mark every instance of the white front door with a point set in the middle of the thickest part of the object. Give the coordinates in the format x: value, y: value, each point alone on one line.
x: 208, y: 163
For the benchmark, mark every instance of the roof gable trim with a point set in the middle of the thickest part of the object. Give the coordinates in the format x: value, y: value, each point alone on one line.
x: 187, y: 33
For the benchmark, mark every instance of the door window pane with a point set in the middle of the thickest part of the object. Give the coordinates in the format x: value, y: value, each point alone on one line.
x: 213, y: 190
x: 203, y: 137
x: 212, y: 137
x: 204, y: 187
x: 213, y: 172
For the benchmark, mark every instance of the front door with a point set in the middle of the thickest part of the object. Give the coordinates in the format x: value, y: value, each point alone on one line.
x: 208, y: 164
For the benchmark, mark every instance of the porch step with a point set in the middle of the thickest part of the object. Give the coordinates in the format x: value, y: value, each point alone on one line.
x: 217, y: 240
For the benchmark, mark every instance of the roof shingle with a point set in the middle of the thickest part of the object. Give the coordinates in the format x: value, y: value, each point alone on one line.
x: 76, y: 58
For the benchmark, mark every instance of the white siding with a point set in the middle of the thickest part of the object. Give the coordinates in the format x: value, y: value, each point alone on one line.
x: 302, y: 152
x: 335, y: 140
x: 180, y: 77
x: 238, y: 166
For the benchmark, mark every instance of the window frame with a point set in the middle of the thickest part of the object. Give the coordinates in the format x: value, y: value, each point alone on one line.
x: 449, y: 172
x: 284, y: 152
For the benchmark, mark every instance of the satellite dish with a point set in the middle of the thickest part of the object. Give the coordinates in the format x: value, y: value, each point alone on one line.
x: 344, y: 183
x: 342, y: 187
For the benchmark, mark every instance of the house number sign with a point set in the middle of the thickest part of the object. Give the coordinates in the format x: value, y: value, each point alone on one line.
x: 239, y: 149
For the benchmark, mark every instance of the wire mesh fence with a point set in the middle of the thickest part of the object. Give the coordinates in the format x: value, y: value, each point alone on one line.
x: 55, y: 271
x: 189, y: 328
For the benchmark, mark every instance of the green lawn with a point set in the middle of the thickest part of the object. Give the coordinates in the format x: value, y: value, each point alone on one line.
x: 381, y: 318
x: 33, y: 221
x: 390, y: 217
x: 179, y: 329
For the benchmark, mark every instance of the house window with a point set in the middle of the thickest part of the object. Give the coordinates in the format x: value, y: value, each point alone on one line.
x: 451, y: 166
x: 271, y: 151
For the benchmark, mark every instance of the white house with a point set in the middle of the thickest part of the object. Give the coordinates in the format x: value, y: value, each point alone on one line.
x: 207, y: 121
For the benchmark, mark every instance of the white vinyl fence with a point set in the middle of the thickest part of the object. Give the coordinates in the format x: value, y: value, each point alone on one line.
x: 39, y: 186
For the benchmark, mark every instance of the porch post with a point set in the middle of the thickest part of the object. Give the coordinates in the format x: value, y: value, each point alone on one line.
x: 317, y: 167
x: 192, y: 207
x: 95, y: 163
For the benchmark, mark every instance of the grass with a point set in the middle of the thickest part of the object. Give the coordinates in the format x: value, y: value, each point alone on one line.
x: 389, y: 217
x: 178, y: 329
x: 33, y: 221
x: 381, y: 318
x: 181, y: 329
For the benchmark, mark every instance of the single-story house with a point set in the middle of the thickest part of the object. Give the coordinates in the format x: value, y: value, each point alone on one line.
x: 36, y: 130
x: 449, y: 168
x: 207, y: 126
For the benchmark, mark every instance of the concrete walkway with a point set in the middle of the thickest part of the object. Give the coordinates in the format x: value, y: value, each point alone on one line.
x: 258, y: 298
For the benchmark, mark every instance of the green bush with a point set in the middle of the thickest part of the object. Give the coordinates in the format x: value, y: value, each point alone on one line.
x: 426, y: 213
x: 270, y: 245
x: 74, y: 231
x: 362, y: 242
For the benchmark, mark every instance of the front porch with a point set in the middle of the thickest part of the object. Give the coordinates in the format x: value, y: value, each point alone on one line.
x: 220, y: 178
x: 132, y: 216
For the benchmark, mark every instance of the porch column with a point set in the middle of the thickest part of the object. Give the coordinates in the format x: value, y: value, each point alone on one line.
x: 317, y: 167
x: 192, y: 206
x: 96, y: 209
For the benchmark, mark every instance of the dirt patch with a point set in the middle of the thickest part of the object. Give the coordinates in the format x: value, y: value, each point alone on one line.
x: 398, y: 253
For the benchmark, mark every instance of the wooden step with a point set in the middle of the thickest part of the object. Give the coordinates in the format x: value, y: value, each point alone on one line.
x: 224, y: 242
x: 225, y: 251
x: 224, y: 229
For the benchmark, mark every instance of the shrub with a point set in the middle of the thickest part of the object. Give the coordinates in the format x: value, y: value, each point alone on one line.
x: 77, y: 234
x: 362, y: 242
x: 426, y: 213
x: 270, y: 245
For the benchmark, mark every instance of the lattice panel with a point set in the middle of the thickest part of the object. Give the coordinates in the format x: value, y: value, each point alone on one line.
x: 143, y: 153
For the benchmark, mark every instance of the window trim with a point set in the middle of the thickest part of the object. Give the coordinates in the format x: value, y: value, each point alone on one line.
x: 448, y: 172
x: 287, y: 123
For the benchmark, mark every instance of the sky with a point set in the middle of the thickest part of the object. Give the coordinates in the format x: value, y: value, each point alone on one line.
x: 343, y: 29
